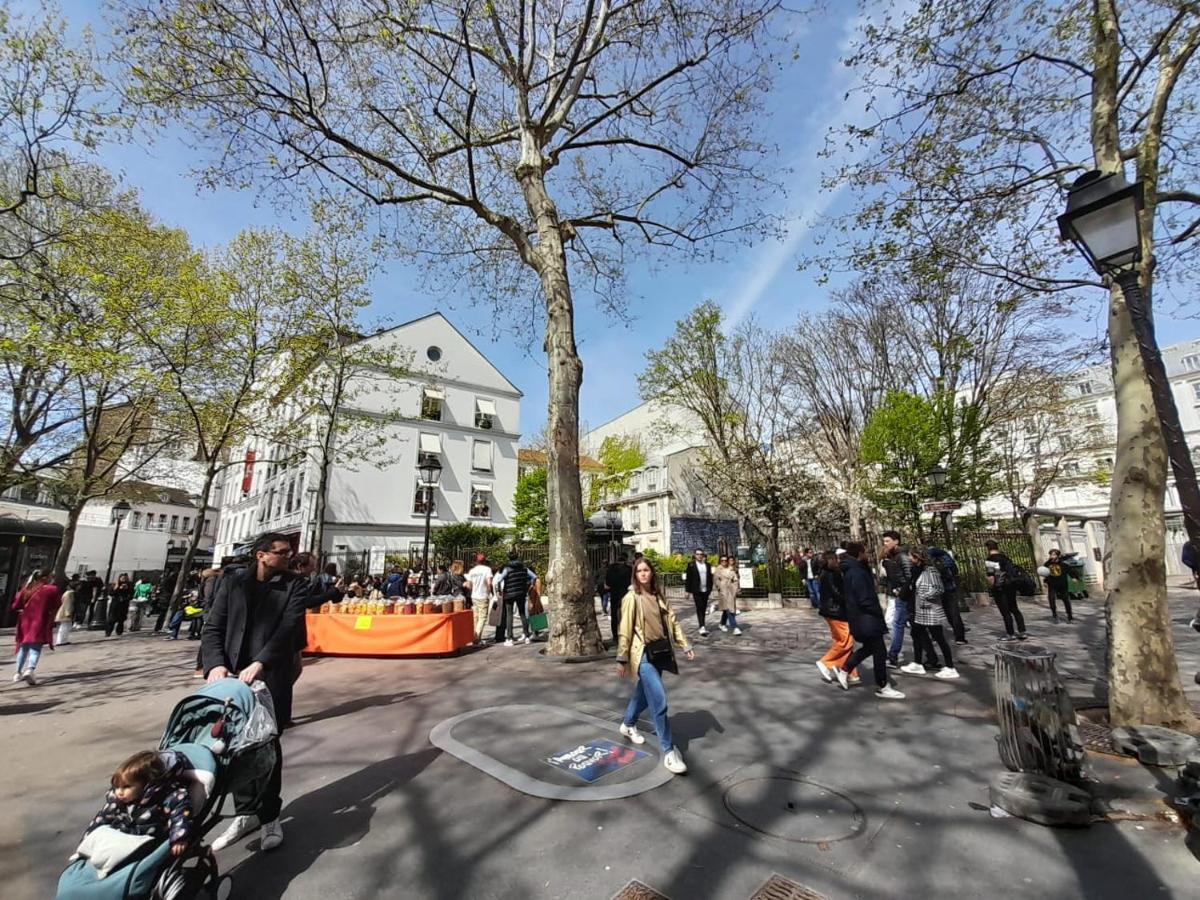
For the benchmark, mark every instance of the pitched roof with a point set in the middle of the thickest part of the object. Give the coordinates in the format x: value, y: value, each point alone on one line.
x: 538, y: 458
x: 144, y: 492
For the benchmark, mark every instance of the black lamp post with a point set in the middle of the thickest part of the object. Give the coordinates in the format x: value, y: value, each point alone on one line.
x: 431, y: 471
x: 118, y: 513
x: 1103, y: 219
x: 936, y: 476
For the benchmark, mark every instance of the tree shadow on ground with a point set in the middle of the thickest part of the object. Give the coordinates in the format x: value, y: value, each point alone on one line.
x: 352, y: 706
x: 332, y: 817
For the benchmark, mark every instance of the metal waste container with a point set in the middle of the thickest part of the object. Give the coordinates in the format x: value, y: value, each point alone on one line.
x: 1038, y: 731
x: 1076, y: 571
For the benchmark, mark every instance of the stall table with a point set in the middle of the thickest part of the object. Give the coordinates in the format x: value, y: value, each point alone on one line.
x: 338, y: 634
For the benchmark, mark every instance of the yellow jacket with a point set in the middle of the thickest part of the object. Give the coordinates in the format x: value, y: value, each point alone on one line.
x: 631, y: 642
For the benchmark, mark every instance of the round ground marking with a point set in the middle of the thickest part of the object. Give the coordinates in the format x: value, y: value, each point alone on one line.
x: 794, y: 809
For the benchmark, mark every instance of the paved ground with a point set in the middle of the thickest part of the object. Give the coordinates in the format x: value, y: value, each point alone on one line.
x: 863, y: 798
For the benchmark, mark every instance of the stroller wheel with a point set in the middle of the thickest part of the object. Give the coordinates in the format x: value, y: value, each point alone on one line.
x: 193, y: 877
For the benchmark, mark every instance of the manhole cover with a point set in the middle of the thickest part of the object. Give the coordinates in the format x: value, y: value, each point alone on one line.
x: 794, y: 809
x: 780, y: 888
x: 635, y: 890
x: 1097, y: 738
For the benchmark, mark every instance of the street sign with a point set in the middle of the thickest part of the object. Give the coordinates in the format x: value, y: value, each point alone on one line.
x: 377, y: 561
x: 940, y: 506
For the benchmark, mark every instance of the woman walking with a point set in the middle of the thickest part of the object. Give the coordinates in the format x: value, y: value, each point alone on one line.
x: 118, y: 606
x: 65, y: 615
x: 832, y: 607
x: 36, y: 606
x: 865, y: 617
x: 648, y: 626
x: 929, y: 619
x: 728, y: 587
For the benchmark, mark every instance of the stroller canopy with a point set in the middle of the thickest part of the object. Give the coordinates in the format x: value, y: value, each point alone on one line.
x: 246, y: 715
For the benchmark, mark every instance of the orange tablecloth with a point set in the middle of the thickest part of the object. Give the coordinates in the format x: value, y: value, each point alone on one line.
x: 335, y: 633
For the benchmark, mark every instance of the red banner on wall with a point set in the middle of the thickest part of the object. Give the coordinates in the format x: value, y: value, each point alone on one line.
x: 248, y: 473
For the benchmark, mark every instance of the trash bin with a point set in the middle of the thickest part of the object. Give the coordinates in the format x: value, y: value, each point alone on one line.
x: 1038, y: 731
x: 1076, y: 573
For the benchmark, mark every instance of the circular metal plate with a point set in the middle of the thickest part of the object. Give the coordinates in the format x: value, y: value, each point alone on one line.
x: 794, y: 809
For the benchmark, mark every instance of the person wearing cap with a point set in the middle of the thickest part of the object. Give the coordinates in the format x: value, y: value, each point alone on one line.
x: 480, y: 579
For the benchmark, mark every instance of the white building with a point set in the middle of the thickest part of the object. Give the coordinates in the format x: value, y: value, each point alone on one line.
x: 456, y: 407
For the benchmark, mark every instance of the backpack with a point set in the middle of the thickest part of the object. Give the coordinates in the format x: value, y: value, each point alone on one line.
x: 1021, y: 579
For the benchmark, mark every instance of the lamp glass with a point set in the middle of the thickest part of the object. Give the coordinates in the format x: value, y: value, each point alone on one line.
x: 120, y: 510
x: 936, y: 476
x: 430, y: 473
x: 1109, y: 235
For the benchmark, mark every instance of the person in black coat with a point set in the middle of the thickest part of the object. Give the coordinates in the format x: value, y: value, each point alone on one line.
x: 617, y: 578
x: 832, y: 594
x: 250, y: 634
x: 698, y: 581
x: 867, y: 625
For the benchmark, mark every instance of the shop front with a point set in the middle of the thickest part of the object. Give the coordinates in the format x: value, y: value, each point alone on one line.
x: 24, y: 547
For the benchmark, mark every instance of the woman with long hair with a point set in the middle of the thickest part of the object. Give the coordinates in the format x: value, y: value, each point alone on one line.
x: 832, y: 607
x: 118, y: 605
x: 725, y: 578
x: 648, y: 626
x: 36, y: 605
x: 929, y: 619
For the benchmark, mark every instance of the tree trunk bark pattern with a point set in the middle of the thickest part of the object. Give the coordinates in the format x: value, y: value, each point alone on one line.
x: 68, y: 542
x: 572, y: 609
x: 185, y: 566
x: 1143, y: 674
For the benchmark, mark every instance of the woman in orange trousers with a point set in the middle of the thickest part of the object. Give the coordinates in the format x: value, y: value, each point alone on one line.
x: 833, y: 609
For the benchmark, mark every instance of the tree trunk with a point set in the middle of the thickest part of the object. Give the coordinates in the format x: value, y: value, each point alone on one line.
x: 1142, y: 672
x: 185, y: 565
x: 68, y: 541
x: 1032, y: 528
x: 573, y: 628
x: 774, y: 569
x: 317, y: 543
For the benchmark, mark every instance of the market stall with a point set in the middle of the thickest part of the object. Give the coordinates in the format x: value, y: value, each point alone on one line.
x: 373, y: 633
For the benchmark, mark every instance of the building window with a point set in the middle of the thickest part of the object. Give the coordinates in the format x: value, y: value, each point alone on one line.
x: 207, y: 526
x: 481, y: 501
x: 1196, y: 391
x: 485, y: 413
x: 1084, y: 388
x: 481, y: 456
x: 433, y: 353
x: 635, y: 518
x: 291, y: 498
x: 432, y: 400
x: 162, y: 522
x: 1191, y: 362
x: 652, y: 515
x: 174, y: 523
x: 187, y: 524
x: 136, y: 520
x: 1070, y: 467
x: 652, y: 479
x: 429, y: 450
x: 1090, y: 412
x: 424, y: 500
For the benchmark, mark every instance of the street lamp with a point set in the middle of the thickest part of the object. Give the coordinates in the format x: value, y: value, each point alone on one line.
x: 119, y: 511
x: 431, y: 471
x: 1103, y: 219
x: 936, y: 476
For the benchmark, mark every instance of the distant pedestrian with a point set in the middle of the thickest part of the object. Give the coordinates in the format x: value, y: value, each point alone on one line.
x: 644, y: 647
x: 1190, y: 557
x: 948, y: 569
x: 142, y: 591
x: 728, y: 588
x: 512, y: 586
x: 480, y: 579
x: 85, y: 597
x: 929, y: 619
x: 36, y: 606
x: 1003, y: 573
x: 865, y: 617
x: 811, y: 573
x: 897, y: 569
x: 65, y: 614
x: 617, y: 578
x: 119, y: 599
x: 698, y: 581
x: 1056, y: 585
x: 833, y: 610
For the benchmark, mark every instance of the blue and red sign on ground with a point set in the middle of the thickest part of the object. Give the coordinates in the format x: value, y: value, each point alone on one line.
x: 595, y: 759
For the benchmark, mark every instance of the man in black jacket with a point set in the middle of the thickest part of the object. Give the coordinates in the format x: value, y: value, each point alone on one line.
x: 698, y: 581
x: 897, y: 569
x: 512, y: 587
x: 865, y: 616
x: 1003, y: 573
x: 250, y: 634
x: 617, y: 578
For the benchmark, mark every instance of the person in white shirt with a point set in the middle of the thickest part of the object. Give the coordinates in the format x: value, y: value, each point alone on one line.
x: 698, y: 581
x: 480, y: 579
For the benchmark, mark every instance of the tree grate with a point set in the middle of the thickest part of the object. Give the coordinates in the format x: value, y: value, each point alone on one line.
x: 779, y: 888
x: 635, y: 890
x: 1097, y: 738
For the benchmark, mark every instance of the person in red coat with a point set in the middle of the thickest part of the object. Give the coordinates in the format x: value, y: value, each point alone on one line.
x: 36, y: 605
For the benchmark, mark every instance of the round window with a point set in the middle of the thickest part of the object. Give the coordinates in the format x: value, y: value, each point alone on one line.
x: 434, y: 353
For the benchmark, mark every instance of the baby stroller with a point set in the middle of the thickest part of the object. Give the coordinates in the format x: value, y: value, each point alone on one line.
x: 226, y: 730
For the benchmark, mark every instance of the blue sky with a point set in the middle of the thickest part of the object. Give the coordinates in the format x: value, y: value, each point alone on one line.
x: 761, y: 280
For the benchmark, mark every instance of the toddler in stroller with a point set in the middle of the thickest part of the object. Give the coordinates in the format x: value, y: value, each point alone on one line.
x: 218, y: 741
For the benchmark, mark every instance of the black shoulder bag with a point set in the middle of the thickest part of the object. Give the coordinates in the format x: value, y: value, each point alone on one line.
x: 660, y: 652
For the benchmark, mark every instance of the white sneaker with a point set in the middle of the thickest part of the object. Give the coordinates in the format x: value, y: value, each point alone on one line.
x: 28, y: 676
x: 887, y: 692
x: 18, y: 676
x: 913, y: 668
x: 826, y: 672
x: 238, y: 829
x: 842, y: 678
x: 272, y: 835
x: 855, y: 679
x: 703, y: 631
x: 508, y: 644
x: 948, y: 672
x: 724, y: 628
x: 737, y: 632
x: 674, y: 762
x: 526, y: 640
x: 631, y: 732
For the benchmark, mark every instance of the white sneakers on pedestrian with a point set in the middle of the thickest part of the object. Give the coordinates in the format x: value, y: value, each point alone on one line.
x: 887, y: 692
x: 913, y: 668
x: 674, y: 762
x: 843, y: 679
x: 737, y: 632
x: 724, y: 627
x: 631, y: 732
x: 29, y: 677
x: 703, y: 631
x: 508, y: 643
x: 525, y: 640
x: 238, y: 829
x: 948, y: 672
x: 18, y: 676
x: 272, y: 835
x: 826, y: 672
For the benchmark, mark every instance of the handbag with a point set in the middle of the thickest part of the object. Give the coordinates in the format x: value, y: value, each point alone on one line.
x: 493, y: 618
x: 660, y: 652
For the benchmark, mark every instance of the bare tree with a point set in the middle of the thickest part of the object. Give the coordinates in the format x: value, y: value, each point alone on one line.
x: 516, y: 134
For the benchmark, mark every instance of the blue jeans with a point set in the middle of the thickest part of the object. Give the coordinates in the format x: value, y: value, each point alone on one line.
x: 28, y: 656
x: 898, y: 629
x: 730, y: 619
x: 814, y: 591
x: 604, y: 602
x: 650, y: 692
